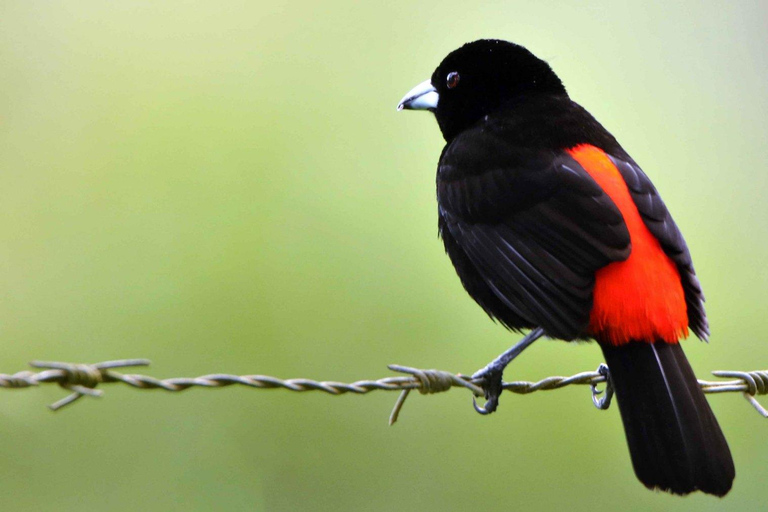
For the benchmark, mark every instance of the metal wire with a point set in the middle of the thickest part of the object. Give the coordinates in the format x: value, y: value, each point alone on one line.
x: 83, y: 379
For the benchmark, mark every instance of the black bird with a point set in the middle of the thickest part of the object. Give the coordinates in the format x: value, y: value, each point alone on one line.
x: 552, y: 226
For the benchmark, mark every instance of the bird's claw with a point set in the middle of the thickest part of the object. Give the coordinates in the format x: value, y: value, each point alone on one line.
x: 603, y: 403
x: 492, y: 386
x: 489, y: 378
x: 488, y: 408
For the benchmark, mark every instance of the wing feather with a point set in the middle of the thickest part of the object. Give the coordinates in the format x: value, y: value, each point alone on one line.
x: 527, y: 232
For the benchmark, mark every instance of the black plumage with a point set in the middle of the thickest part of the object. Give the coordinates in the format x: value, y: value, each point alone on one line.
x: 534, y: 232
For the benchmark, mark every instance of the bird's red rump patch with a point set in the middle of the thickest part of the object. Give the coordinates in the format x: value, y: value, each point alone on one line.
x: 641, y: 298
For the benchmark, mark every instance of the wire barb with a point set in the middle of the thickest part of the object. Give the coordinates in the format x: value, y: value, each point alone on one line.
x: 749, y: 383
x: 80, y: 379
x: 431, y: 381
x: 83, y: 379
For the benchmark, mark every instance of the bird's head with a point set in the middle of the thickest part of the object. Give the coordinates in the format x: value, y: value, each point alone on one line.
x: 476, y: 80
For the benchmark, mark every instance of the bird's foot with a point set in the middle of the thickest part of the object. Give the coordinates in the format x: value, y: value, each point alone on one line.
x: 492, y: 373
x: 604, y: 402
x: 491, y: 385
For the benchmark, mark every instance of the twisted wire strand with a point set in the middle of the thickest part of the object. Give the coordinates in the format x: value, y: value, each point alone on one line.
x: 83, y: 379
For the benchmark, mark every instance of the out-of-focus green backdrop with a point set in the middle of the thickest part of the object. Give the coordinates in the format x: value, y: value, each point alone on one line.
x: 227, y: 187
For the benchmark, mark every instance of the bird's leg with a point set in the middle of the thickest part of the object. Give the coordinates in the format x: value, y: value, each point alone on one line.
x: 494, y: 370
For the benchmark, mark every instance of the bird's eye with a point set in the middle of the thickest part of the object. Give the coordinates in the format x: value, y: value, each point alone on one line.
x: 453, y: 79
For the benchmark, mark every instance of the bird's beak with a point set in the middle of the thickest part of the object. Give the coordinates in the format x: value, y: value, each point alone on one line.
x: 421, y: 97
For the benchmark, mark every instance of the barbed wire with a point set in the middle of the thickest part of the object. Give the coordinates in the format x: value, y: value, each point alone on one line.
x: 82, y: 380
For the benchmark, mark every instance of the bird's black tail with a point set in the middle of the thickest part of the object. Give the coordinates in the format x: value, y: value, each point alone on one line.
x: 674, y: 439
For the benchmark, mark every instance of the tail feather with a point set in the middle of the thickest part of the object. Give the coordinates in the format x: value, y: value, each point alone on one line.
x: 674, y: 440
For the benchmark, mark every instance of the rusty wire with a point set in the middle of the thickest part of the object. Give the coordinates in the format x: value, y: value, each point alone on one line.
x: 83, y: 380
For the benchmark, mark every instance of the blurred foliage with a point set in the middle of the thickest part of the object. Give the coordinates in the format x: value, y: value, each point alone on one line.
x: 227, y: 187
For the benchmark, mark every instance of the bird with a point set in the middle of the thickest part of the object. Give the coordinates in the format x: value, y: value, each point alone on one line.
x: 552, y: 227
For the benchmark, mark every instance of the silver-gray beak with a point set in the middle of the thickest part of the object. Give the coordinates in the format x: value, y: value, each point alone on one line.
x: 421, y: 97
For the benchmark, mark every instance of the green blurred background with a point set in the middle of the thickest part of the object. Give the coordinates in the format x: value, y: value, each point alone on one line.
x: 227, y: 187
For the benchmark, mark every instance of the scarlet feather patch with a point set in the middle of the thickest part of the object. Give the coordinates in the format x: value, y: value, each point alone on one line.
x: 641, y: 298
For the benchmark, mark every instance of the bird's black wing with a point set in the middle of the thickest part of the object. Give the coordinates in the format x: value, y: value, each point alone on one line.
x: 659, y: 221
x: 526, y: 231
